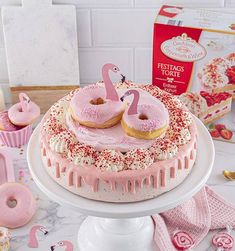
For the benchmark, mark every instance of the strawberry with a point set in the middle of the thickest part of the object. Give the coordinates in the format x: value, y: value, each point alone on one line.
x: 230, y: 72
x: 226, y: 134
x: 214, y: 98
x: 215, y: 133
x: 220, y: 127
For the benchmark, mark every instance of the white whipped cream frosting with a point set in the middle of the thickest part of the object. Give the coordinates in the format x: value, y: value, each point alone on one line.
x: 111, y: 160
x: 80, y: 159
x: 139, y: 159
x: 59, y: 110
x: 194, y: 102
x: 211, y: 80
x: 59, y: 142
x: 180, y: 137
x: 164, y: 149
x: 4, y: 237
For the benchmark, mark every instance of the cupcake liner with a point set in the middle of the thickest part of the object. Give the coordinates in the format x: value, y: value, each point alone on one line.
x: 16, y: 138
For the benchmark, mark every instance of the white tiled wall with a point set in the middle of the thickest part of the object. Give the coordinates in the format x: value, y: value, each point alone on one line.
x: 118, y: 31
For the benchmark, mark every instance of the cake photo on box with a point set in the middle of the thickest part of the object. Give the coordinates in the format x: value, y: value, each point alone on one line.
x: 219, y: 75
x: 208, y: 107
x: 118, y: 143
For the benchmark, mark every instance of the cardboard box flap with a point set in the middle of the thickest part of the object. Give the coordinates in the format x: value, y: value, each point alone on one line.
x: 197, y: 18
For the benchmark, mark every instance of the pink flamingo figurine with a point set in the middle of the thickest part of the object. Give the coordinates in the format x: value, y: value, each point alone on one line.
x: 33, y: 242
x: 143, y: 121
x: 67, y: 244
x: 111, y: 93
x: 24, y: 101
x: 133, y: 107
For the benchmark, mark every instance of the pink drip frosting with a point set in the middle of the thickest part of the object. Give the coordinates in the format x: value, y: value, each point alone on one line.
x: 137, y: 178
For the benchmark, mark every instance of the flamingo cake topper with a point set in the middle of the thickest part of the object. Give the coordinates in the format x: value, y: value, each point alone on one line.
x: 24, y: 102
x: 133, y: 107
x: 33, y: 242
x: 111, y: 92
x: 67, y: 244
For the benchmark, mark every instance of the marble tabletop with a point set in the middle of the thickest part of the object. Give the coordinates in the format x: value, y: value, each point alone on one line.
x: 63, y: 223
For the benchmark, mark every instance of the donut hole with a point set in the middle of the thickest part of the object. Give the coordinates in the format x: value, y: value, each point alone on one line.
x: 11, y: 202
x: 143, y: 117
x: 98, y: 101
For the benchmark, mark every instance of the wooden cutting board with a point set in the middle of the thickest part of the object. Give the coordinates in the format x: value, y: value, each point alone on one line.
x: 41, y: 46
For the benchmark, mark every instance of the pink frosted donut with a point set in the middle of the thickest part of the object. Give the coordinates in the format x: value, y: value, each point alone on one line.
x: 5, y: 123
x: 17, y: 205
x: 90, y: 108
x: 25, y: 112
x: 144, y: 121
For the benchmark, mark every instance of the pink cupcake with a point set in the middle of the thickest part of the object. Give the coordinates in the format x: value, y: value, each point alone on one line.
x: 12, y: 135
x: 16, y: 124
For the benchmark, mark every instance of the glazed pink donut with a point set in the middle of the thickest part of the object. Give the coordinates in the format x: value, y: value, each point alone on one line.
x: 13, y: 216
x: 25, y: 112
x: 102, y: 115
x: 144, y: 121
x: 5, y: 123
x: 98, y: 106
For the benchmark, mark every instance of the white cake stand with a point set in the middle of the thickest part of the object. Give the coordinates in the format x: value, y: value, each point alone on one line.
x: 122, y: 227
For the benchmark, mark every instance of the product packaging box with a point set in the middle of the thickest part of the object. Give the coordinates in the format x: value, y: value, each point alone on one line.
x: 194, y: 57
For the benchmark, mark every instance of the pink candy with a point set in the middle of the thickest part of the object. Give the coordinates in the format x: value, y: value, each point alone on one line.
x: 223, y: 241
x: 182, y: 241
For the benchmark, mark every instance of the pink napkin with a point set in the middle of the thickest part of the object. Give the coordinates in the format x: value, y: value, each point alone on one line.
x: 205, y: 211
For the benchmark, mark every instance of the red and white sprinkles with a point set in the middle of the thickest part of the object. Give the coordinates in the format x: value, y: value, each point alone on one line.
x: 59, y: 142
x: 182, y: 241
x: 223, y: 241
x: 164, y: 149
x: 81, y: 154
x: 178, y: 136
x: 110, y: 160
x: 62, y: 141
x: 138, y: 159
x: 217, y: 73
x: 180, y: 118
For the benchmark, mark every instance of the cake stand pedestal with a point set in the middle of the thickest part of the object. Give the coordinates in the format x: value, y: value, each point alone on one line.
x: 126, y: 226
